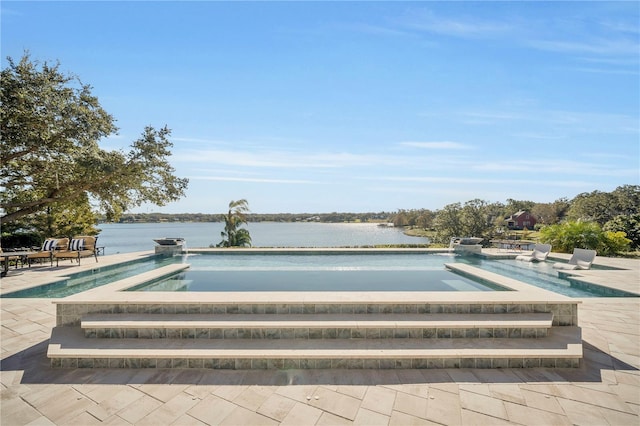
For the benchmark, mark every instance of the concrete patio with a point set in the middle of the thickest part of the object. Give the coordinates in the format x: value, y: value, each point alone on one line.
x: 604, y: 390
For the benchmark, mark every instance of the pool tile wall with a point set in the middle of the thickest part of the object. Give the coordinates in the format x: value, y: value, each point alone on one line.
x: 311, y: 333
x: 70, y: 314
x: 284, y: 364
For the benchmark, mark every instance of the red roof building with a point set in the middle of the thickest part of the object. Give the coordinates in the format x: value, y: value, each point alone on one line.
x: 521, y: 220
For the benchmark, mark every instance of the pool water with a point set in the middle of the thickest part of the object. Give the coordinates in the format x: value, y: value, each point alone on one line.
x: 313, y: 260
x: 541, y: 274
x: 363, y: 279
x: 83, y: 281
x: 318, y: 272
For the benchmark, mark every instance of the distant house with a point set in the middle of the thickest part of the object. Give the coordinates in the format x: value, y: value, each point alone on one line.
x: 522, y: 219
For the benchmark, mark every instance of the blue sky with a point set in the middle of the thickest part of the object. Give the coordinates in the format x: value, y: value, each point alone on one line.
x: 359, y: 106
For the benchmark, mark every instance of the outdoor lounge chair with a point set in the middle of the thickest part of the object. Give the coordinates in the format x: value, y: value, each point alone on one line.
x: 9, y: 259
x: 49, y: 246
x: 581, y: 259
x: 79, y: 247
x: 540, y: 253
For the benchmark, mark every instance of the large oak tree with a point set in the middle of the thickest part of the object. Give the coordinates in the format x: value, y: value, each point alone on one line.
x: 50, y: 128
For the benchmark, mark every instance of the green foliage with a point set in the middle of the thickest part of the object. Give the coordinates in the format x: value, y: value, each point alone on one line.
x: 514, y: 206
x: 613, y: 243
x: 476, y: 218
x: 602, y: 207
x: 567, y: 236
x: 550, y: 213
x: 421, y: 218
x: 630, y: 225
x: 627, y: 199
x: 481, y: 219
x: 448, y: 223
x: 64, y: 220
x: 51, y: 164
x: 233, y: 235
x: 241, y: 238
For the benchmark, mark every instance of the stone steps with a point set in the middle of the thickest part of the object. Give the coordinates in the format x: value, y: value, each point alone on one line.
x: 68, y: 348
x: 109, y: 327
x: 316, y: 326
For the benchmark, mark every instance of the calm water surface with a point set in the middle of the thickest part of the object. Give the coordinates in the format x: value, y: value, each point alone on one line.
x: 130, y: 237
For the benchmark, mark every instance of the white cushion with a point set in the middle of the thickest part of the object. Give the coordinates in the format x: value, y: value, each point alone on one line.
x: 76, y: 245
x: 49, y: 245
x: 583, y: 265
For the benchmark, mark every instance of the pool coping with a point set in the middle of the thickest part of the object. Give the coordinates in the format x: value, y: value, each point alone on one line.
x: 38, y: 275
x: 622, y: 274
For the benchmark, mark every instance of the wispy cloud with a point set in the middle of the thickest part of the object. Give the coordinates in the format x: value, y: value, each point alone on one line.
x: 254, y: 180
x: 284, y: 159
x: 9, y: 12
x: 490, y: 117
x: 200, y: 140
x: 593, y: 46
x: 574, y: 121
x: 612, y: 39
x: 437, y: 145
x: 621, y: 26
x: 466, y: 27
x: 630, y: 61
x: 607, y: 71
x: 443, y: 180
x: 600, y: 155
x: 558, y: 167
x: 372, y: 29
x: 539, y: 136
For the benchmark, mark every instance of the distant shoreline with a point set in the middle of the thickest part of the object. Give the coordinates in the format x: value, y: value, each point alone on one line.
x: 381, y: 217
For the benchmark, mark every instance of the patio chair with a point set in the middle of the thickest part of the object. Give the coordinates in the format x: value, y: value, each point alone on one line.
x: 9, y: 260
x: 49, y: 246
x: 539, y: 254
x: 79, y: 247
x: 581, y: 259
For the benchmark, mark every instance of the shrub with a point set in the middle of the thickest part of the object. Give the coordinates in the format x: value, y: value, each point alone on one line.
x: 567, y: 236
x: 629, y: 224
x: 614, y: 242
x: 19, y: 240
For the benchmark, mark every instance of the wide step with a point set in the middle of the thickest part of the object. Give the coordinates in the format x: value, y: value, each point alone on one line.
x: 532, y: 320
x: 317, y: 326
x: 68, y: 348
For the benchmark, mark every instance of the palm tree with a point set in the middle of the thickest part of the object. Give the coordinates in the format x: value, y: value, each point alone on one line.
x: 233, y: 235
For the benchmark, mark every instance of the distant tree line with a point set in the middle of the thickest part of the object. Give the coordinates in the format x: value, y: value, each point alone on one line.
x: 608, y: 213
x: 254, y: 217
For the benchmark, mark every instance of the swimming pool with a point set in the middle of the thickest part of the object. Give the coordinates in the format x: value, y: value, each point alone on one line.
x: 97, y: 277
x: 542, y: 275
x: 306, y: 271
x: 318, y: 272
x: 357, y: 272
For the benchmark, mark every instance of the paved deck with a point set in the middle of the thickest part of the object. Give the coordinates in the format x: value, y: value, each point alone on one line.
x: 605, y: 390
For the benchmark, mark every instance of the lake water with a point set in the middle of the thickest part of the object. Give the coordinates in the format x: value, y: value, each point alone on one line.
x: 131, y: 237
